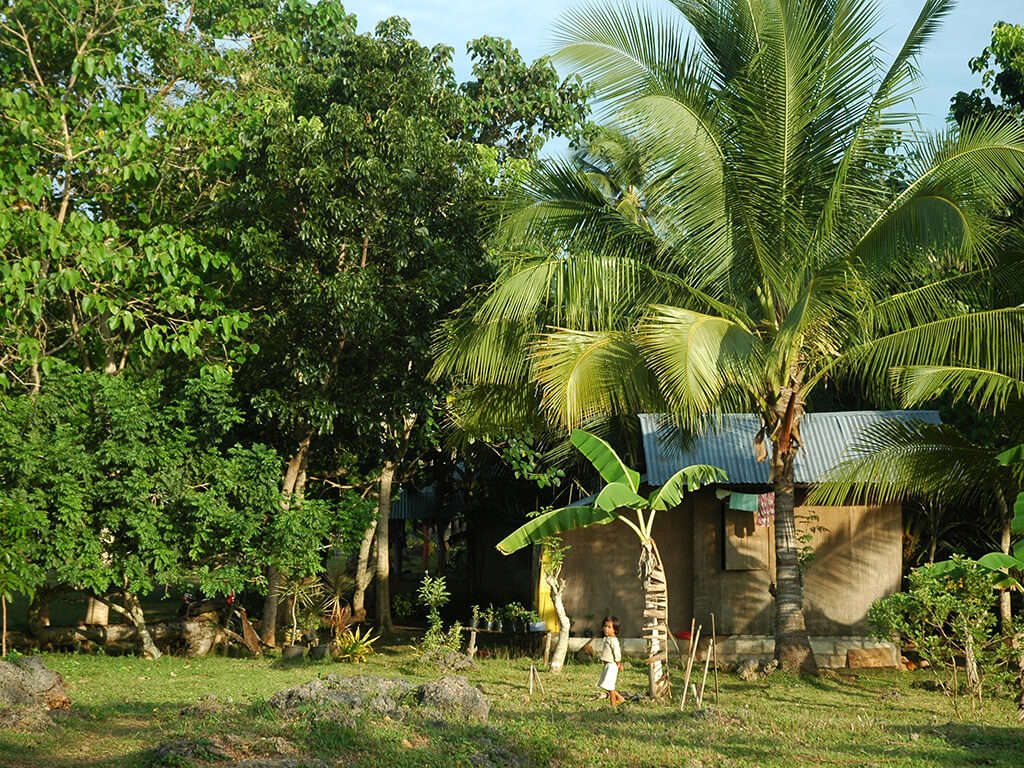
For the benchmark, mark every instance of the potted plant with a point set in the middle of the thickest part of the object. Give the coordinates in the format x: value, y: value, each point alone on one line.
x: 534, y: 622
x: 515, y: 613
x: 474, y: 622
x: 336, y: 611
x: 490, y: 616
x: 302, y: 594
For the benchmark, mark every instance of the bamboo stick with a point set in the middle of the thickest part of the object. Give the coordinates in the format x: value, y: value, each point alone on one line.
x: 689, y: 666
x: 704, y: 681
x: 714, y: 661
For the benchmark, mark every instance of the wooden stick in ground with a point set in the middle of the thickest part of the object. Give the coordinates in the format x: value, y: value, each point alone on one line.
x: 547, y: 649
x: 689, y: 667
x: 704, y: 681
x: 531, y: 679
x: 714, y: 660
x: 540, y: 683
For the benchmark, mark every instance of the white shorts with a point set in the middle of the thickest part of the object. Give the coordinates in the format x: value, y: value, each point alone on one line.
x: 609, y: 675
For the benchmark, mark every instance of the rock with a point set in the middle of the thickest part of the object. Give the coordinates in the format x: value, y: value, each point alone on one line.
x: 454, y: 696
x: 338, y: 699
x: 282, y: 762
x: 26, y: 718
x: 876, y: 658
x: 749, y: 670
x: 26, y: 681
x: 769, y: 667
x: 176, y: 753
x: 207, y: 705
x: 450, y: 661
x: 362, y: 692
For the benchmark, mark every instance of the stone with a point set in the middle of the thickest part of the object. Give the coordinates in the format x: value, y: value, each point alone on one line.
x: 876, y: 658
x: 444, y: 659
x: 769, y: 667
x: 454, y: 696
x: 281, y: 762
x: 749, y: 670
x: 183, y: 751
x: 26, y: 681
x: 339, y: 698
x: 206, y: 706
x: 26, y: 718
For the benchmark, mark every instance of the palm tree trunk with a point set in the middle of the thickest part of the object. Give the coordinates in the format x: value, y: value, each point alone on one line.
x: 792, y: 645
x: 655, y: 584
x: 556, y: 587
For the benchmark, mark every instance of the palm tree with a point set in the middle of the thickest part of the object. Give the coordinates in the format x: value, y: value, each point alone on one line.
x: 771, y: 250
x: 618, y: 499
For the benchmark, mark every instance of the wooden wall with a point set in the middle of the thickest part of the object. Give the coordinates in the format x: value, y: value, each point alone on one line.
x: 601, y: 577
x: 858, y: 559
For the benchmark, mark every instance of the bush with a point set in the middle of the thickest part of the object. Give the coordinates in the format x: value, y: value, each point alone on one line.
x: 948, y: 615
x: 433, y: 594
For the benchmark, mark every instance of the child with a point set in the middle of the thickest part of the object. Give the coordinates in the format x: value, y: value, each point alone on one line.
x: 612, y: 658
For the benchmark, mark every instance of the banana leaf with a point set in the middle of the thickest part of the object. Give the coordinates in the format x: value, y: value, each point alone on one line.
x: 552, y: 523
x: 605, y: 459
x: 1012, y: 456
x: 686, y: 479
x: 618, y: 495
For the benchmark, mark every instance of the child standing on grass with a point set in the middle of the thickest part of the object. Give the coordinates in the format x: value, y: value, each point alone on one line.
x: 611, y: 655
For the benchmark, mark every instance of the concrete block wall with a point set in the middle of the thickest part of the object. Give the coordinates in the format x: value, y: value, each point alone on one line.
x: 829, y: 650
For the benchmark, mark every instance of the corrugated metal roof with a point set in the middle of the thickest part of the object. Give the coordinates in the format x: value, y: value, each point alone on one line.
x: 825, y: 435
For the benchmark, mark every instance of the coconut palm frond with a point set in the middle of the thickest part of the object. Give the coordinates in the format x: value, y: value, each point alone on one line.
x: 895, y: 460
x: 978, y: 387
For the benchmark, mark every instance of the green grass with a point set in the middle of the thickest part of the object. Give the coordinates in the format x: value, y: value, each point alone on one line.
x: 123, y: 707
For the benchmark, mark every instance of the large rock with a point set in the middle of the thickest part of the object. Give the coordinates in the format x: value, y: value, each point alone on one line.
x: 27, y: 682
x: 877, y: 658
x: 453, y: 696
x: 380, y: 695
x: 450, y: 696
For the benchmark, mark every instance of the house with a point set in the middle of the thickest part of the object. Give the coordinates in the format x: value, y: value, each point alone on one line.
x: 718, y: 549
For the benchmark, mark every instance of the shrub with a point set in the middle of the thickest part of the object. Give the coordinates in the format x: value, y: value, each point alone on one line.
x: 947, y: 614
x: 354, y: 646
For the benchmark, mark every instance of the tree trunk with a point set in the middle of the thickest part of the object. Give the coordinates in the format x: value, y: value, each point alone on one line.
x: 138, y: 620
x: 655, y: 583
x: 364, y: 573
x: 792, y: 645
x: 3, y: 646
x: 556, y: 588
x: 1005, y: 618
x: 383, y: 574
x: 294, y: 477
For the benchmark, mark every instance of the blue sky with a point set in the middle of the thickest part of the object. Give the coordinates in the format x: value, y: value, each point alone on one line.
x: 528, y: 24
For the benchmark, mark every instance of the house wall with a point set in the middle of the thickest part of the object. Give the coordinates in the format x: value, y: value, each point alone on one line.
x: 600, y: 571
x: 858, y: 559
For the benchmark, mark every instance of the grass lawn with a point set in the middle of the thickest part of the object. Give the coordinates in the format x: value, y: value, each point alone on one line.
x: 123, y: 707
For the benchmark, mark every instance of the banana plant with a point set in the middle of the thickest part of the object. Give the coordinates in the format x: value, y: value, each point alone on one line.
x: 620, y: 500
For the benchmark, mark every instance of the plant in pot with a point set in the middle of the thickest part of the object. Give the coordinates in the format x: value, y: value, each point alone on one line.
x: 490, y: 616
x: 302, y: 593
x: 474, y: 621
x: 534, y: 623
x: 515, y: 614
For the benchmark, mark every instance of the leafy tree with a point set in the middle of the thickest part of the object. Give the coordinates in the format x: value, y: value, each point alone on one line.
x: 745, y: 245
x: 138, y: 483
x: 103, y: 107
x: 619, y: 497
x: 1001, y: 66
x: 354, y: 216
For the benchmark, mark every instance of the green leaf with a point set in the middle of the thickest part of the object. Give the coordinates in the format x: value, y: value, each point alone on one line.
x: 995, y: 561
x: 552, y: 523
x: 618, y: 495
x: 1012, y: 456
x: 605, y: 459
x: 686, y: 479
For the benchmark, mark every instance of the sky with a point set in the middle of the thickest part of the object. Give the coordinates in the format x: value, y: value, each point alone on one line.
x: 528, y: 24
